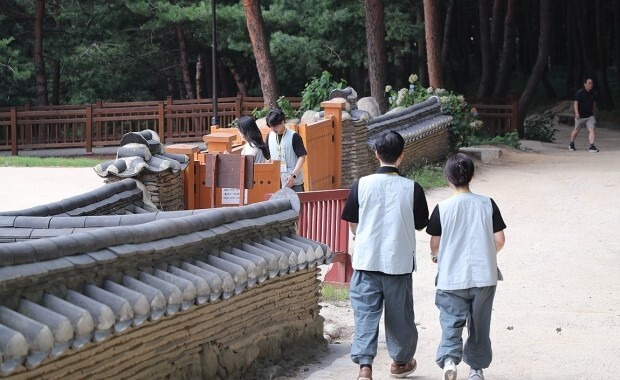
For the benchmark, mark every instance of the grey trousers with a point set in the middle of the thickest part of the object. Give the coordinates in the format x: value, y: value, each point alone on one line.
x: 368, y: 292
x: 471, y: 307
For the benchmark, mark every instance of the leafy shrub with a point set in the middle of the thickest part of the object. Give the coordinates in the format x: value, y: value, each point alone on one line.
x: 510, y: 139
x: 317, y: 91
x: 464, y: 125
x: 283, y: 104
x: 541, y: 127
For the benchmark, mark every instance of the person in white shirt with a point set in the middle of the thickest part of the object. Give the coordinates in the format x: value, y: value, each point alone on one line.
x: 287, y: 146
x: 383, y: 211
x: 254, y: 144
x: 467, y: 231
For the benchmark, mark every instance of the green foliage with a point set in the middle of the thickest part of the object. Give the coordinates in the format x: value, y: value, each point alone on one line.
x: 330, y: 293
x: 541, y: 127
x: 44, y: 162
x: 428, y: 176
x: 510, y: 139
x: 317, y: 91
x: 15, y: 73
x: 283, y: 104
x: 464, y: 125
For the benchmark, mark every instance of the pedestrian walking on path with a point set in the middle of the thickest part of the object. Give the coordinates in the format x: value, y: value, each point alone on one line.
x: 585, y: 101
x: 467, y: 231
x: 383, y: 211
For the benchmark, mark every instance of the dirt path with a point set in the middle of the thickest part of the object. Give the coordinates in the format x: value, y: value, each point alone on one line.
x: 557, y: 314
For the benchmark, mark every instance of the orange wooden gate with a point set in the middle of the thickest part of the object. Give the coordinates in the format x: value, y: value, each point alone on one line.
x: 319, y: 165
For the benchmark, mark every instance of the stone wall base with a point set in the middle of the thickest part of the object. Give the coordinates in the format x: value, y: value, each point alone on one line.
x: 214, y: 341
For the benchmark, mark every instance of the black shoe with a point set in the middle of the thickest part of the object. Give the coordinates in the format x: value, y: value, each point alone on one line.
x: 571, y: 146
x: 593, y: 149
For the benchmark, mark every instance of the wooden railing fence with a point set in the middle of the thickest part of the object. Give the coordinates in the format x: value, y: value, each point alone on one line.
x: 103, y: 124
x: 499, y: 116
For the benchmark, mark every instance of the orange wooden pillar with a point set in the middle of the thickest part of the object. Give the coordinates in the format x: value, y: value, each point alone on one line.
x: 333, y: 109
x: 218, y: 142
x: 190, y: 175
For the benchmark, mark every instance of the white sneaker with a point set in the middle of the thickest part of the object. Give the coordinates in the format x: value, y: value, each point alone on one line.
x: 449, y: 369
x: 476, y: 374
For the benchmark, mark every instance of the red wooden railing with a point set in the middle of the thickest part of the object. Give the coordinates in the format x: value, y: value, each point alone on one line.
x: 319, y: 220
x: 101, y: 124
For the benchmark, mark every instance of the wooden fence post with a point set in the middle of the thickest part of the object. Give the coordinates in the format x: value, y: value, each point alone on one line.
x: 514, y: 116
x: 161, y: 125
x: 238, y: 104
x: 13, y: 131
x: 190, y: 175
x: 89, y: 129
x: 333, y: 108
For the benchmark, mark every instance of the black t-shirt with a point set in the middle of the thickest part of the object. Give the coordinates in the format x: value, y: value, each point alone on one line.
x: 350, y: 213
x: 298, y: 145
x: 434, y: 223
x: 585, y: 102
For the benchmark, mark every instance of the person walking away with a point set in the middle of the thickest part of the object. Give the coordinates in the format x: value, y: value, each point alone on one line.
x: 383, y: 211
x: 467, y: 231
x: 287, y: 146
x: 254, y: 144
x: 585, y: 101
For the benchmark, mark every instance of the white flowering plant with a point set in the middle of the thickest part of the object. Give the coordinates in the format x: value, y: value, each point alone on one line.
x: 464, y: 125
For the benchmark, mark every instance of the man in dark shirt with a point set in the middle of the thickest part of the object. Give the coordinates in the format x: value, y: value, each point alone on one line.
x: 585, y: 101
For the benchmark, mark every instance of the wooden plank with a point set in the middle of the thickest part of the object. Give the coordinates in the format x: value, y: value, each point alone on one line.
x: 13, y: 131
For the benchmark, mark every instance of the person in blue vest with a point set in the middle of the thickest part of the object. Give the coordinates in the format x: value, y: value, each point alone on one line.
x: 287, y: 146
x: 584, y: 104
x: 467, y: 231
x: 384, y: 210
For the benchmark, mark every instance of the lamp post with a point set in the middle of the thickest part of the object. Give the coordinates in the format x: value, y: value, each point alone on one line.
x: 214, y: 120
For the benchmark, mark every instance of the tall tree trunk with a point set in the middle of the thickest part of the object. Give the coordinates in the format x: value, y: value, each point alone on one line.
x: 447, y: 27
x: 617, y: 35
x: 199, y: 70
x: 570, y: 56
x: 189, y: 88
x: 486, y: 79
x: 39, y: 62
x: 170, y: 82
x: 239, y: 80
x: 497, y: 27
x: 586, y: 38
x: 422, y: 59
x: 260, y: 46
x: 578, y: 71
x: 602, y: 59
x: 508, y: 51
x: 538, y: 71
x: 55, y: 82
x: 433, y: 42
x: 56, y: 61
x: 225, y: 84
x: 375, y: 44
x: 459, y: 61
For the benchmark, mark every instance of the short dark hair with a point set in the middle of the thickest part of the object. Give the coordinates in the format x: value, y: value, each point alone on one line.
x: 389, y: 146
x: 459, y: 169
x: 275, y: 117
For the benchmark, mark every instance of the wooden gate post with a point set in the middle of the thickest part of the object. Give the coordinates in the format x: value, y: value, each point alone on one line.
x: 190, y: 175
x: 161, y: 121
x: 13, y: 131
x: 89, y: 130
x: 333, y: 109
